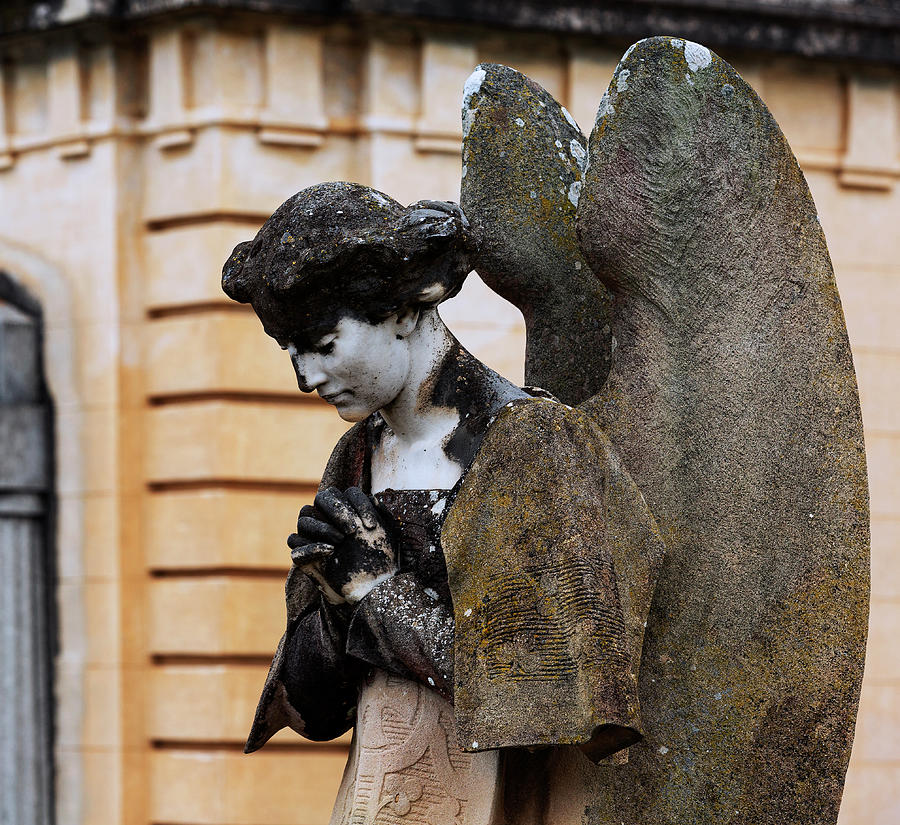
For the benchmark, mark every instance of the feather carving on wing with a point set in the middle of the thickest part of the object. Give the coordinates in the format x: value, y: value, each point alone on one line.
x: 678, y: 288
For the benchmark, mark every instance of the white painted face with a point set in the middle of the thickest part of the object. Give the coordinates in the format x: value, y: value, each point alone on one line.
x: 357, y: 367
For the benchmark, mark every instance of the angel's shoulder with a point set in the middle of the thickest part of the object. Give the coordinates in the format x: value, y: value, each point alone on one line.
x: 541, y: 410
x: 542, y: 426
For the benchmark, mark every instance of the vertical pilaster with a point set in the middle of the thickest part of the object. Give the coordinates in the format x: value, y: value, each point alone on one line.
x: 101, y: 96
x: 391, y: 91
x: 64, y: 101
x: 6, y: 158
x: 294, y: 112
x: 444, y: 66
x: 168, y: 90
x: 391, y: 82
x: 870, y: 161
x: 589, y: 73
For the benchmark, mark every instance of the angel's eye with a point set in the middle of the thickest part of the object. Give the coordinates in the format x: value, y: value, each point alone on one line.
x: 326, y: 347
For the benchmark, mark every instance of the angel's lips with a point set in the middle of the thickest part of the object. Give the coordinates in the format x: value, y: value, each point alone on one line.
x: 334, y: 397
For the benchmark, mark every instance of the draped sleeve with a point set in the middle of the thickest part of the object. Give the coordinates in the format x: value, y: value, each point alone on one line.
x: 312, y: 682
x: 552, y: 556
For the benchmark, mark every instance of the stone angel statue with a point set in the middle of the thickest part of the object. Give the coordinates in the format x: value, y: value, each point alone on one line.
x: 639, y: 593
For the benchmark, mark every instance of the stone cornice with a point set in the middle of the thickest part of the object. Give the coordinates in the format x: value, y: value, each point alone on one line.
x: 859, y: 30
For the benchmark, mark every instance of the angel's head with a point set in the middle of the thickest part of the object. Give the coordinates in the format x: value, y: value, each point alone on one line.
x: 341, y: 276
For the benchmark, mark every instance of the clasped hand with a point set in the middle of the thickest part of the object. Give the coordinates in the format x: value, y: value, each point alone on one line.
x: 342, y: 544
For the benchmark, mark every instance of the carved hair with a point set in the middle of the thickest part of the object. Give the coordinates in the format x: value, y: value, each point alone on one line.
x: 342, y: 248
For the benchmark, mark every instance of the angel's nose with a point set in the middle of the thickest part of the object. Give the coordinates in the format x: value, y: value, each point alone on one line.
x: 309, y: 373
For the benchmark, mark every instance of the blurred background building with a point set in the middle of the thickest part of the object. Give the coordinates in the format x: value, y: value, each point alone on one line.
x: 153, y: 469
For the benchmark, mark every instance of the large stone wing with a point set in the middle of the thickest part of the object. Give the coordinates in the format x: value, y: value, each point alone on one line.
x: 732, y: 400
x: 523, y: 161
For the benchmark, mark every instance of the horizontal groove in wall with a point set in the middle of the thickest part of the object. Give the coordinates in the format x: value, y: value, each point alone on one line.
x: 199, y: 308
x: 229, y: 572
x: 888, y: 435
x: 866, y: 349
x: 850, y: 266
x: 232, y: 484
x: 294, y: 398
x: 178, y: 221
x: 302, y: 745
x: 205, y: 660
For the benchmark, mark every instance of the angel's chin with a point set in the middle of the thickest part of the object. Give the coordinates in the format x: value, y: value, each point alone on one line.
x: 351, y: 412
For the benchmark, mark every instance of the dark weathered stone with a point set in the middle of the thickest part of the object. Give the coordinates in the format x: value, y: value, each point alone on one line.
x: 337, y: 247
x: 523, y: 157
x: 732, y: 399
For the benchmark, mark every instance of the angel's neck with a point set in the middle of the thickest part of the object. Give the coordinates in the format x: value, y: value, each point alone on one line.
x: 412, y: 416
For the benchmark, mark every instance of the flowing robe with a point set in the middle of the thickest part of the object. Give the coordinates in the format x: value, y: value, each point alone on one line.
x: 552, y: 557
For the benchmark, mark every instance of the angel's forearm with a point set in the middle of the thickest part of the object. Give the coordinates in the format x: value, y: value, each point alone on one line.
x: 406, y: 629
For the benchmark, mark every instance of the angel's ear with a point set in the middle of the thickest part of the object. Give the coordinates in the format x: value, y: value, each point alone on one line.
x: 406, y: 320
x: 433, y: 293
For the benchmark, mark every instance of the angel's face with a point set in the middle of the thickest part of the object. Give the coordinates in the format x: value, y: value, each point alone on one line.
x: 358, y: 367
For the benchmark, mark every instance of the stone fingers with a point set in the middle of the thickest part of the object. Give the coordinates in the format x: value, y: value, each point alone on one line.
x: 364, y: 507
x: 304, y: 553
x: 335, y: 507
x: 314, y: 529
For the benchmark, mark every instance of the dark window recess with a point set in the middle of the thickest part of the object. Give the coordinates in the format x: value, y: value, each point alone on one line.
x: 28, y: 626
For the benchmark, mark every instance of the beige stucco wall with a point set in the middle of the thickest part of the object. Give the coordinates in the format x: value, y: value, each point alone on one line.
x: 128, y: 173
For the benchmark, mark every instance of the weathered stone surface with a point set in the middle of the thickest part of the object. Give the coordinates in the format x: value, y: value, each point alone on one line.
x: 552, y: 557
x: 732, y: 399
x: 523, y: 157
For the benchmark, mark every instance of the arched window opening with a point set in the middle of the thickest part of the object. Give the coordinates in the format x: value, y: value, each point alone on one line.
x: 28, y: 627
